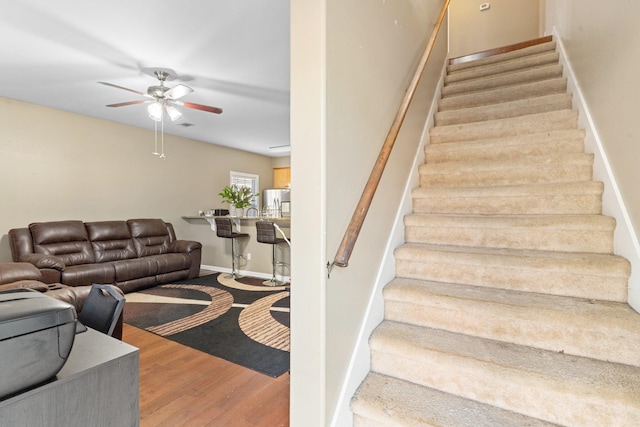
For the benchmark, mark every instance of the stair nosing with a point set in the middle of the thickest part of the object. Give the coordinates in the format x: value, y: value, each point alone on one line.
x: 567, y: 222
x: 505, y: 257
x: 484, y: 110
x: 547, y: 57
x: 402, y: 398
x: 595, y: 187
x: 572, y: 159
x: 557, y: 85
x: 552, y: 364
x: 539, y: 137
x: 503, y: 80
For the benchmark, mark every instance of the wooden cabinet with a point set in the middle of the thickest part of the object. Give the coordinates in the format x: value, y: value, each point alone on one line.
x: 282, y: 177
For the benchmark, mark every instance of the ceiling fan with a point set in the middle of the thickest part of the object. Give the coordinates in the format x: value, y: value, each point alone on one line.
x: 163, y: 99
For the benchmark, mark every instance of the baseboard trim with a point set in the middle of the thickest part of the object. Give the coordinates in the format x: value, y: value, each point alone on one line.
x: 259, y: 275
x: 625, y: 238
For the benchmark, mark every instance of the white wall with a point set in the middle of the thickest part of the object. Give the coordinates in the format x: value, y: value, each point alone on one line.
x: 506, y: 22
x: 308, y: 278
x: 57, y: 165
x: 601, y: 40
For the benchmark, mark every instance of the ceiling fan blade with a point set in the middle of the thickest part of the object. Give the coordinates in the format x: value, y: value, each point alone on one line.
x: 215, y: 110
x: 122, y: 87
x: 124, y: 104
x: 178, y: 91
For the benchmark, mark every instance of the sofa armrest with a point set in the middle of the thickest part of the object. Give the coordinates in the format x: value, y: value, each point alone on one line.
x: 29, y: 284
x: 184, y: 246
x: 14, y: 271
x: 44, y: 261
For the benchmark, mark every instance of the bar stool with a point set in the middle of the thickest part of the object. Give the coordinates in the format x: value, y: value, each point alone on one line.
x: 224, y: 229
x: 267, y: 234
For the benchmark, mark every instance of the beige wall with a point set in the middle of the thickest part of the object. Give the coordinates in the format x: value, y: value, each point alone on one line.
x: 372, y: 51
x: 281, y: 162
x: 601, y: 41
x: 56, y: 165
x: 506, y: 22
x: 351, y: 63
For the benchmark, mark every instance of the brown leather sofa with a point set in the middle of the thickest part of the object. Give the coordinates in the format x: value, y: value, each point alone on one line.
x: 14, y: 275
x: 132, y: 254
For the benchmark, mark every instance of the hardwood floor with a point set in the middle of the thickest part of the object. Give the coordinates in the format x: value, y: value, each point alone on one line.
x: 180, y: 386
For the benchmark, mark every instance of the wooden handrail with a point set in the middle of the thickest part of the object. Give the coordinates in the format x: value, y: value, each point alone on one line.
x: 355, y: 225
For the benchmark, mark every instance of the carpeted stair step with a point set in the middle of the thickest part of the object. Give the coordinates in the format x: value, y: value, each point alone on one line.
x: 571, y: 167
x: 554, y: 142
x: 509, y: 307
x: 500, y: 128
x: 607, y: 331
x: 557, y: 387
x: 536, y: 60
x: 503, y: 57
x: 568, y: 233
x: 511, y: 78
x: 580, y: 275
x: 563, y: 198
x: 542, y: 104
x: 510, y: 93
x: 382, y: 400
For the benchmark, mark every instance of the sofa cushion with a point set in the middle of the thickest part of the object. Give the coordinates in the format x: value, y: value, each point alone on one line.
x: 111, y: 240
x: 67, y: 240
x: 150, y: 236
x: 172, y: 262
x: 88, y: 274
x: 172, y: 277
x: 135, y: 268
x: 137, y: 284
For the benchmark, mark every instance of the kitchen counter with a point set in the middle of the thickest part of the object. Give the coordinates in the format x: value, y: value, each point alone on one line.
x: 240, y: 221
x: 256, y: 260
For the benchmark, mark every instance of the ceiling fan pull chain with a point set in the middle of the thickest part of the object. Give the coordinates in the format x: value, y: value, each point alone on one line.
x: 155, y: 128
x: 162, y: 156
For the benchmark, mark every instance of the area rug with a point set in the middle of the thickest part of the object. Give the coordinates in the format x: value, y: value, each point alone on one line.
x: 241, y: 321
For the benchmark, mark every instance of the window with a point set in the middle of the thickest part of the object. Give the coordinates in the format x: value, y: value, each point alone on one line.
x: 250, y: 180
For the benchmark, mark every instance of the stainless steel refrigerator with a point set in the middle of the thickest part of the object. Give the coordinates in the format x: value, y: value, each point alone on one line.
x: 276, y: 202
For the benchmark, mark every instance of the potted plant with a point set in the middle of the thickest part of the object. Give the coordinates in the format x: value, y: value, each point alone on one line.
x: 237, y: 198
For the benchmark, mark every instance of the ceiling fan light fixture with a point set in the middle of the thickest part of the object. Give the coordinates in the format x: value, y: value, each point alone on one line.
x: 173, y: 112
x: 155, y: 111
x: 178, y: 91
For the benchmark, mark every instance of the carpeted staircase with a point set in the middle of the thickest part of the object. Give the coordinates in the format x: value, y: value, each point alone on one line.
x: 509, y: 307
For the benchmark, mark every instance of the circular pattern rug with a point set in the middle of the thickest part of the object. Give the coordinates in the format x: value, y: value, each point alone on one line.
x: 242, y: 321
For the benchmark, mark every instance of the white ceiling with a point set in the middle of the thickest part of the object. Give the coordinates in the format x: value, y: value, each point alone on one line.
x: 233, y: 53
